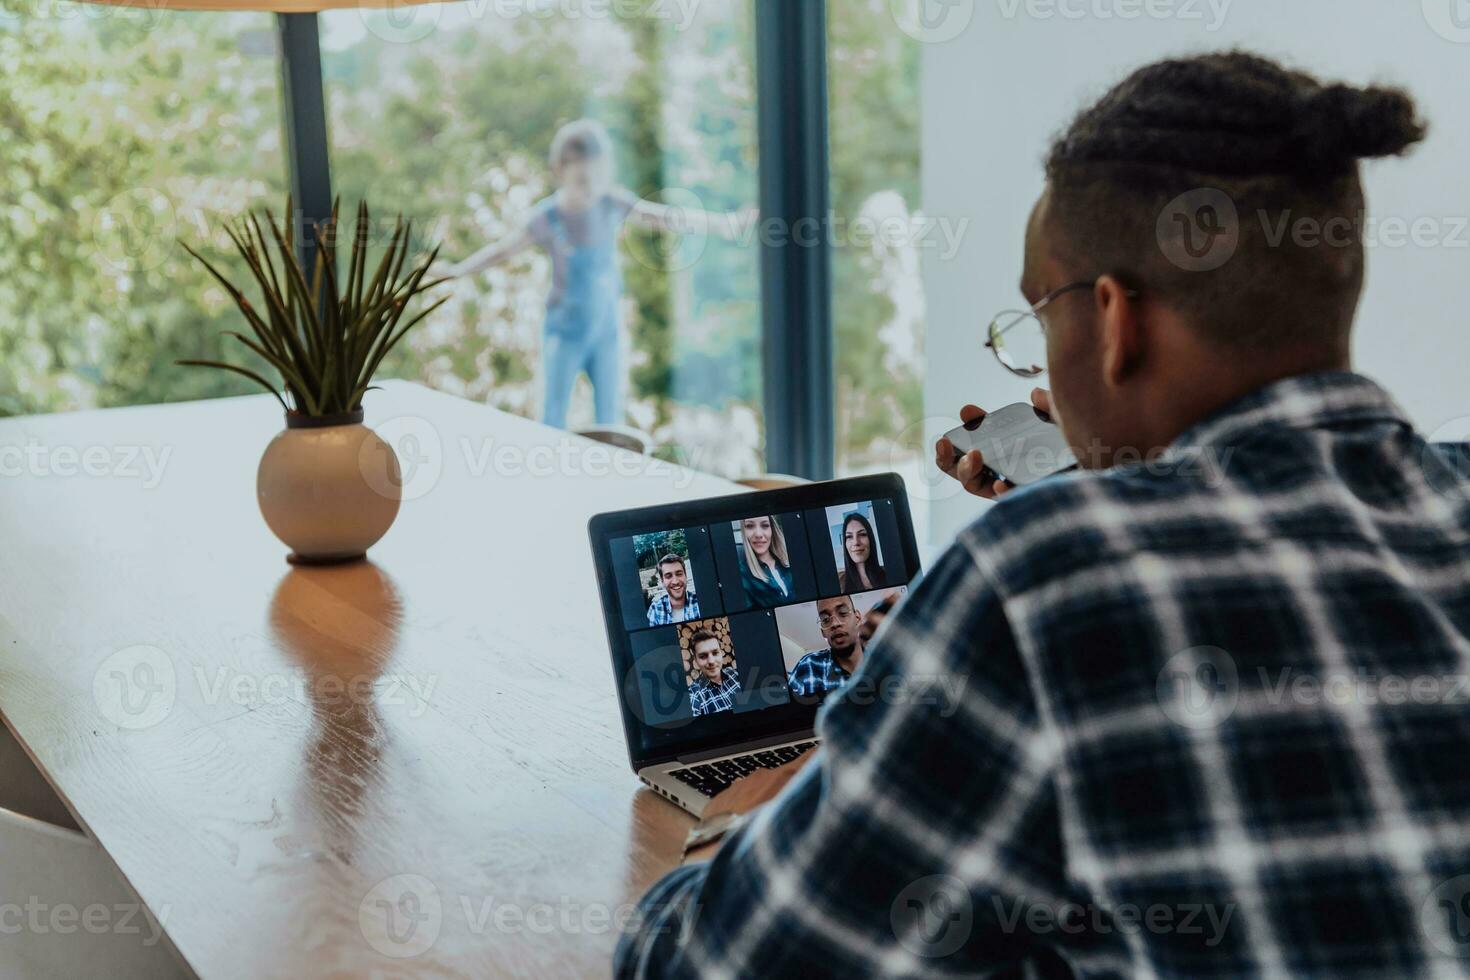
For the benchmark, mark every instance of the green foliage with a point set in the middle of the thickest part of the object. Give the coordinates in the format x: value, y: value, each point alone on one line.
x: 637, y: 133
x: 649, y: 548
x: 130, y: 127
x: 120, y: 131
x: 874, y: 145
x: 454, y: 130
x: 324, y: 337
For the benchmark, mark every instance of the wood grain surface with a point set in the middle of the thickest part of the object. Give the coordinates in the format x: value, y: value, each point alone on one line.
x: 410, y: 767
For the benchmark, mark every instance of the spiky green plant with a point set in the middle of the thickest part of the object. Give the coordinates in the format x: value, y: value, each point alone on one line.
x: 325, y: 337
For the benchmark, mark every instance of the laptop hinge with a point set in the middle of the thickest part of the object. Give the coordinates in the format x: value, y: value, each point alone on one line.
x: 740, y: 747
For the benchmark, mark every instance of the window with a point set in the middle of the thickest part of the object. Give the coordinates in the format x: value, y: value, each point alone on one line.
x: 448, y: 113
x: 128, y: 128
x: 122, y: 130
x: 877, y: 236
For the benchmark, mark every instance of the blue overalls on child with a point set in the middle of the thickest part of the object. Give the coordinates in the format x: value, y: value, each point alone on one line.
x: 584, y: 315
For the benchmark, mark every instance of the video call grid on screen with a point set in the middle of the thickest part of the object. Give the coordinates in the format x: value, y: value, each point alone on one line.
x: 714, y: 612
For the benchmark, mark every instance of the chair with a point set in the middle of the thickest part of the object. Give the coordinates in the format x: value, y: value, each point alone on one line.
x: 772, y: 481
x: 619, y: 436
x: 23, y: 790
x: 47, y: 864
x: 87, y: 922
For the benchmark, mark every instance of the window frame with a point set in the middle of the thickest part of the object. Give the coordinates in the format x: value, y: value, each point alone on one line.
x: 797, y: 367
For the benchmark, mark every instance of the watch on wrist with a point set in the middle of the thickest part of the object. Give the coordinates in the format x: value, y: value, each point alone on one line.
x: 712, y: 830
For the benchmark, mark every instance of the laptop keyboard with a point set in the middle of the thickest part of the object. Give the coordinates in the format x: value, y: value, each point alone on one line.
x: 711, y: 777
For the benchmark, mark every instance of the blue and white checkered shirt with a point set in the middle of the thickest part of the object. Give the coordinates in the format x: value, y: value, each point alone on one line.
x: 705, y: 698
x: 1204, y: 717
x: 816, y: 674
x: 661, y: 610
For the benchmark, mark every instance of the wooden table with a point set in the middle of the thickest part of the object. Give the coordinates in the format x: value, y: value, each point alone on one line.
x: 182, y: 688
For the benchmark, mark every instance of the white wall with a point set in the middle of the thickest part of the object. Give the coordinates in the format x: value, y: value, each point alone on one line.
x: 996, y: 93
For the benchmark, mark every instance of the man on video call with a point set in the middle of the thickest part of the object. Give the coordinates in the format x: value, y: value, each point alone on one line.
x: 822, y: 671
x: 716, y: 686
x: 1132, y: 781
x: 678, y: 604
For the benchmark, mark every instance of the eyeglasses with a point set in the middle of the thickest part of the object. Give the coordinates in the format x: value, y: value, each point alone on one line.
x: 844, y: 612
x: 1018, y: 337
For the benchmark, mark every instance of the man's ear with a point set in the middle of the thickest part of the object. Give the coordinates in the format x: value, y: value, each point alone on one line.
x: 1121, y: 330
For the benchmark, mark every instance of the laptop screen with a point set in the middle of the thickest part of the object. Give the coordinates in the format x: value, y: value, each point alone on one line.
x: 734, y: 618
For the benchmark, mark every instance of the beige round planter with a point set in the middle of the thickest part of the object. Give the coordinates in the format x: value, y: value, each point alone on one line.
x: 328, y: 487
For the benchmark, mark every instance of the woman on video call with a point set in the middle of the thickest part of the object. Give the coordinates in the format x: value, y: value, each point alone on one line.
x: 766, y: 571
x: 860, y: 557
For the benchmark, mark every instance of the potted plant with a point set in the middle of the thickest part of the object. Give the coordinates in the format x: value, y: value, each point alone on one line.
x: 327, y: 485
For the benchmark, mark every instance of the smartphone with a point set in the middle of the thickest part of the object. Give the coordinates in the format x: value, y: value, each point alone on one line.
x: 1020, y: 444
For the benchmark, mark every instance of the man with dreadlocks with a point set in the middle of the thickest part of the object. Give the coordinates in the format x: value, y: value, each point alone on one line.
x: 1209, y: 722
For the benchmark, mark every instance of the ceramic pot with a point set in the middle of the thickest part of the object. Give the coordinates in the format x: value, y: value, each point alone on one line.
x: 328, y: 487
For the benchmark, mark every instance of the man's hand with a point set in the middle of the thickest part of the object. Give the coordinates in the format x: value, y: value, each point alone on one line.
x: 970, y: 468
x: 747, y: 793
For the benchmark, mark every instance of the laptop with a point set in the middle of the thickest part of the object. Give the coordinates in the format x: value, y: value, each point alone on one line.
x: 730, y: 620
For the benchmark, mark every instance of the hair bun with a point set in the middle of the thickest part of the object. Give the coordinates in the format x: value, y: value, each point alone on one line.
x: 1236, y: 114
x: 1340, y: 124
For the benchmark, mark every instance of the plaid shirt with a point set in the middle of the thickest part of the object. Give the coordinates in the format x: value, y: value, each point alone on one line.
x: 706, y: 699
x: 661, y: 611
x: 1145, y: 762
x: 815, y: 674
